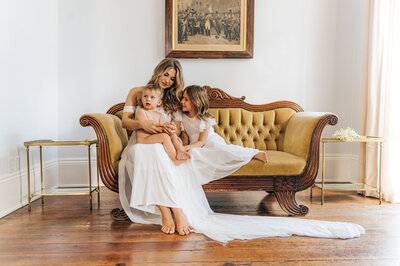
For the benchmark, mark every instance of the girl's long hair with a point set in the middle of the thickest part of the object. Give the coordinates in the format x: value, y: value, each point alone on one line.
x: 199, y: 98
x: 171, y: 97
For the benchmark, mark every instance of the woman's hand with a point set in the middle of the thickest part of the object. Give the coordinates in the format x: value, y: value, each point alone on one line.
x: 169, y: 128
x: 151, y: 126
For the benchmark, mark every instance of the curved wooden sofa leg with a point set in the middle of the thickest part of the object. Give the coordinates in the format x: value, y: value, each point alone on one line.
x: 285, y: 190
x: 119, y: 215
x: 287, y: 201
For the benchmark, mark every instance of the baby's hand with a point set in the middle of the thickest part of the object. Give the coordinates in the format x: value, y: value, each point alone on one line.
x: 165, y: 126
x: 169, y: 128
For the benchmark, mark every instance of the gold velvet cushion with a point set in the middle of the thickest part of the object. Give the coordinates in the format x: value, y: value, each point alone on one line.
x: 264, y: 130
x: 280, y: 163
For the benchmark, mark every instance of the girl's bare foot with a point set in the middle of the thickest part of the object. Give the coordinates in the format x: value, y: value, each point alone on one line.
x: 262, y: 156
x: 179, y: 162
x: 182, y: 225
x: 168, y: 224
x: 183, y: 155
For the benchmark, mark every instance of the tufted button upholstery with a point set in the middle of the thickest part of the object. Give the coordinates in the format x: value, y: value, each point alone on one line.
x: 261, y: 130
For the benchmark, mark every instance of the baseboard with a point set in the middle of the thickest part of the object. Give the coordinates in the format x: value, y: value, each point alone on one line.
x: 339, y: 168
x: 73, y: 172
x: 14, y: 186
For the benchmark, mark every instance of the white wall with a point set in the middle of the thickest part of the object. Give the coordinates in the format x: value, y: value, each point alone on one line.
x: 29, y: 88
x: 304, y: 51
x: 72, y: 57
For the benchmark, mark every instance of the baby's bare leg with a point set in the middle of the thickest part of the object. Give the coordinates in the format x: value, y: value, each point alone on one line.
x: 181, y: 154
x: 165, y: 140
x: 168, y: 224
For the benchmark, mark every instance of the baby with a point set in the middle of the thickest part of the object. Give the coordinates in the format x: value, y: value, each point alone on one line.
x: 151, y: 99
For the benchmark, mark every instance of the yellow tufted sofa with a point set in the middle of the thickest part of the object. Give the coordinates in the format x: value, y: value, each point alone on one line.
x: 290, y: 137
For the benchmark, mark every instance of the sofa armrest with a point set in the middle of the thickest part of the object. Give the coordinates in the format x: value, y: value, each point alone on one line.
x: 302, y: 138
x: 112, y: 139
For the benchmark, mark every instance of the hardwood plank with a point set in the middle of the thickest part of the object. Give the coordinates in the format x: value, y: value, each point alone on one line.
x: 64, y: 231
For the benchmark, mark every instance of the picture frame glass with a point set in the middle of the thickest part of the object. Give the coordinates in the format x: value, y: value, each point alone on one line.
x: 209, y: 25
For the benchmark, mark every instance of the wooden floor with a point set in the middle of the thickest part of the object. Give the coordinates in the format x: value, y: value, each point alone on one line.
x: 64, y: 231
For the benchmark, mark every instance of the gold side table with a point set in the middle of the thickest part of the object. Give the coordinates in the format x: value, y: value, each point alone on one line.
x: 351, y: 186
x: 62, y: 190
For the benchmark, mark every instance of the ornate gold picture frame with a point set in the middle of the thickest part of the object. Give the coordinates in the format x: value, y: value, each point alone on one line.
x: 209, y: 28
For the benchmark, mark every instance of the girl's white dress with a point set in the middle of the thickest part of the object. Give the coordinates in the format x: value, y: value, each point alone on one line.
x: 147, y: 177
x: 215, y: 159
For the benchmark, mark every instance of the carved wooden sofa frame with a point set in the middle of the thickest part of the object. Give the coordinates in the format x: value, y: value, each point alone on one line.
x: 283, y: 186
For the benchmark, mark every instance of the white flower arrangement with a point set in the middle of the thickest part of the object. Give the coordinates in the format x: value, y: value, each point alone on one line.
x: 346, y: 134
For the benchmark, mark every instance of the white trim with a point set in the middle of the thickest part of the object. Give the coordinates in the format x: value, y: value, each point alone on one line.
x: 73, y: 172
x: 17, y: 207
x: 338, y: 166
x: 14, y: 186
x: 33, y: 169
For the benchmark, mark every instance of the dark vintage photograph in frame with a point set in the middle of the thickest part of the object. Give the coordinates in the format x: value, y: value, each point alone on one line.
x: 209, y: 28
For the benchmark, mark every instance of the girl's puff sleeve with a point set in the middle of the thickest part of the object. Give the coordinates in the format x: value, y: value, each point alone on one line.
x: 207, y: 124
x: 178, y: 117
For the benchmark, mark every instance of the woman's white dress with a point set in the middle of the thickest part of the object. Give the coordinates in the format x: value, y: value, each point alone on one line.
x: 147, y: 177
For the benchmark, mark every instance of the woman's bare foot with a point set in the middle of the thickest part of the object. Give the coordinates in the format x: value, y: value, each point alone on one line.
x: 168, y: 224
x: 182, y: 225
x: 262, y: 156
x: 183, y: 155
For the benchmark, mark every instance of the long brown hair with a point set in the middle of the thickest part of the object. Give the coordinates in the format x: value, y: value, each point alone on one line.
x: 171, y: 97
x: 199, y: 98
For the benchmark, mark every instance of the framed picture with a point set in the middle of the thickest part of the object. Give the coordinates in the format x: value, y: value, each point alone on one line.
x: 209, y: 28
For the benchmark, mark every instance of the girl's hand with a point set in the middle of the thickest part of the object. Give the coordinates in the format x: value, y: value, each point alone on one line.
x: 151, y: 126
x: 169, y: 128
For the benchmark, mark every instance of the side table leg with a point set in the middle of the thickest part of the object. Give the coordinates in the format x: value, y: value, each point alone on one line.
x: 365, y: 169
x: 29, y: 178
x: 97, y: 171
x: 380, y: 172
x: 41, y: 174
x: 90, y: 178
x: 323, y: 173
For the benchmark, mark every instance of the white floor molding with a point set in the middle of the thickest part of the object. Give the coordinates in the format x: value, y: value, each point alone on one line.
x: 70, y: 172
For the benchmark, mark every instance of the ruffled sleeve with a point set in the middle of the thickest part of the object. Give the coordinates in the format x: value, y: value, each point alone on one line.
x: 178, y: 117
x: 129, y: 109
x: 207, y: 124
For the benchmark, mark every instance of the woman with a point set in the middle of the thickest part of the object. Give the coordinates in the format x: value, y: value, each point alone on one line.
x: 144, y: 192
x: 150, y: 185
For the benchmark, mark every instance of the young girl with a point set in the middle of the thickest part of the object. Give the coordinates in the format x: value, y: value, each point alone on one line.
x: 211, y: 159
x: 151, y: 99
x: 215, y: 159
